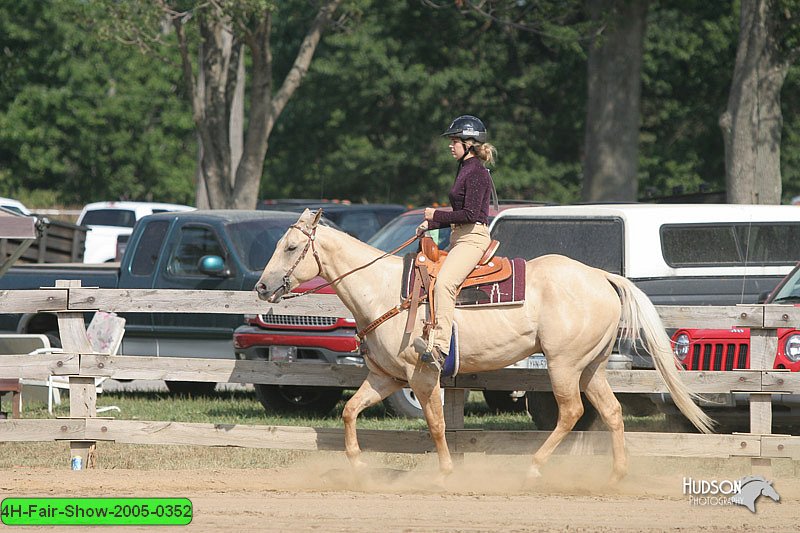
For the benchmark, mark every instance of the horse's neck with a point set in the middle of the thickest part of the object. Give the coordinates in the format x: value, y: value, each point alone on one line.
x: 367, y: 293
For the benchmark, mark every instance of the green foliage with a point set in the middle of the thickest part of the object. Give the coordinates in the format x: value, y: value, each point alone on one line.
x: 96, y: 121
x: 367, y: 120
x: 84, y: 115
x: 688, y: 63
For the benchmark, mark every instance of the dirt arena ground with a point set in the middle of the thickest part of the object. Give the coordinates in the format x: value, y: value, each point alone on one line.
x: 485, y: 494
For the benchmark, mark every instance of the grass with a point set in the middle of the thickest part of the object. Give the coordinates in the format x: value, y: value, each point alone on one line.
x: 242, y: 407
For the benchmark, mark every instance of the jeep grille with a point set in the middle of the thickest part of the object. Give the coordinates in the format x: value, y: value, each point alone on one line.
x: 298, y: 320
x: 718, y: 356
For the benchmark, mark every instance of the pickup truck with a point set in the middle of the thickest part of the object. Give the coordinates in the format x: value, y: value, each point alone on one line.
x: 107, y: 221
x: 729, y: 349
x: 206, y: 250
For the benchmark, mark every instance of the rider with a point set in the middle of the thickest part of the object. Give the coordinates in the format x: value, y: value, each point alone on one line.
x: 470, y: 198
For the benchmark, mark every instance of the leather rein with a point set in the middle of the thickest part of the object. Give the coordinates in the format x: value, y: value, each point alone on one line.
x: 312, y: 235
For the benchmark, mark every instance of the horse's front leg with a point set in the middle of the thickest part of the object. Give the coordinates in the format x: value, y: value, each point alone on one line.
x: 426, y: 386
x: 374, y: 389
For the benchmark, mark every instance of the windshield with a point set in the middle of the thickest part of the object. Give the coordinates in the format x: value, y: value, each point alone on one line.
x: 255, y: 240
x: 110, y: 217
x: 401, y: 229
x: 789, y: 290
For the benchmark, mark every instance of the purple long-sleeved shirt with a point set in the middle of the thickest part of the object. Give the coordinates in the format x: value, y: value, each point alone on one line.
x: 470, y: 196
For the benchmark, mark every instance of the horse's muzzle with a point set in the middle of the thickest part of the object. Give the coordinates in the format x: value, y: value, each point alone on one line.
x: 264, y: 293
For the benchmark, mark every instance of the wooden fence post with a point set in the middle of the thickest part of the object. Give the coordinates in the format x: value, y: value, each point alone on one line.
x: 763, y: 347
x: 82, y: 391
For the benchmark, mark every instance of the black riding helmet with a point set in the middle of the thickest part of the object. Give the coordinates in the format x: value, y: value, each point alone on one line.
x: 467, y: 127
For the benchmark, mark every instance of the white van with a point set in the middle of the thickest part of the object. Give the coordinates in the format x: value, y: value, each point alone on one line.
x: 678, y: 254
x: 108, y: 220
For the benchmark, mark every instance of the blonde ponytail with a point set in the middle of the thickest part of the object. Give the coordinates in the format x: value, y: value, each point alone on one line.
x: 484, y: 151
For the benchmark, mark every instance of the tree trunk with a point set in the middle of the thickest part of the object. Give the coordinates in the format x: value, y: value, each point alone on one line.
x: 232, y: 153
x: 752, y: 123
x: 613, y: 104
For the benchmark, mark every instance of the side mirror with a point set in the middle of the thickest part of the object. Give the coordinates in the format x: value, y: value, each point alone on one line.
x: 213, y: 265
x: 763, y: 297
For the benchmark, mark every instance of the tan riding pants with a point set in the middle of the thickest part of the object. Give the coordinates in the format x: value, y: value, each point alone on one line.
x: 468, y: 242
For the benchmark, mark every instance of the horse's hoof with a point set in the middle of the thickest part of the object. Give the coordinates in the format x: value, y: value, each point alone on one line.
x: 358, y: 465
x: 616, y: 477
x: 533, y: 477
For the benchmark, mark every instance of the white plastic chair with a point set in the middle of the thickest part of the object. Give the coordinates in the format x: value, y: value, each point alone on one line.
x: 105, y: 334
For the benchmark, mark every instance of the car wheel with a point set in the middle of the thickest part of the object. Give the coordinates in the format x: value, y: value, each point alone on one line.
x: 404, y: 404
x: 501, y: 401
x: 191, y: 388
x: 297, y: 400
x: 543, y: 409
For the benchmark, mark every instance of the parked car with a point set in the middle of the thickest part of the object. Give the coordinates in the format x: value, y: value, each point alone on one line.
x: 108, y: 220
x: 729, y: 349
x: 678, y: 254
x: 311, y: 339
x: 15, y: 206
x: 360, y: 220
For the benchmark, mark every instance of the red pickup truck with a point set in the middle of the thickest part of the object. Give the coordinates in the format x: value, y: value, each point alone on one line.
x: 729, y: 349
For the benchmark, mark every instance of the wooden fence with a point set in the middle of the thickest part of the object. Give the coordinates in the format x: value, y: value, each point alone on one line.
x: 83, y: 429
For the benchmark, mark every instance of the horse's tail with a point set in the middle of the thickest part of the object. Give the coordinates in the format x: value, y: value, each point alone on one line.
x: 639, y: 315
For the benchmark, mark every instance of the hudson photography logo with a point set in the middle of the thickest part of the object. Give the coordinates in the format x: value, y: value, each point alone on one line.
x: 723, y: 492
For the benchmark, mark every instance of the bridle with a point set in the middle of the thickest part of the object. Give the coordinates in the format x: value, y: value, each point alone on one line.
x: 311, y: 235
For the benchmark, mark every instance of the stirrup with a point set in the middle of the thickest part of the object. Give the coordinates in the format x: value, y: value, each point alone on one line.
x: 433, y: 357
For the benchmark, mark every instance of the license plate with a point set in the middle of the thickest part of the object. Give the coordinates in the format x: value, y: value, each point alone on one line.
x: 537, y: 361
x: 282, y: 353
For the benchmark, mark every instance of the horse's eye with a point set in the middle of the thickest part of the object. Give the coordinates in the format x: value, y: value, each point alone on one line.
x: 291, y: 247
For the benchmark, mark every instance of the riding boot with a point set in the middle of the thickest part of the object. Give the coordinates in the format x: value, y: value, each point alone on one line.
x: 430, y: 355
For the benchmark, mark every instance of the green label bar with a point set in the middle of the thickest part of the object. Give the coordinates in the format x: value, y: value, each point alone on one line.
x: 96, y: 511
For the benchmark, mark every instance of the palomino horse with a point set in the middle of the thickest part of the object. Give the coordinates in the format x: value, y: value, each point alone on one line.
x: 571, y: 313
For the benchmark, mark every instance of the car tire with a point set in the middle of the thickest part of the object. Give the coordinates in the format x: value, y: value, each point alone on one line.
x: 191, y: 388
x: 502, y: 402
x: 404, y: 404
x: 298, y: 400
x: 543, y: 409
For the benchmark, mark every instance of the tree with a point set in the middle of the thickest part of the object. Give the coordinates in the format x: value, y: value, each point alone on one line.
x: 752, y: 124
x: 225, y: 31
x: 613, y: 102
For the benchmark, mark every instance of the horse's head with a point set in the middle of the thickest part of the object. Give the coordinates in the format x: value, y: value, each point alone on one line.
x: 294, y: 261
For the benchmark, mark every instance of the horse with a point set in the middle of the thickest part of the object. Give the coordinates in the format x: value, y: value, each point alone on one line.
x: 571, y: 313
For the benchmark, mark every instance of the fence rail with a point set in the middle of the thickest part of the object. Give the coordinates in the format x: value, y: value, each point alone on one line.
x: 69, y: 302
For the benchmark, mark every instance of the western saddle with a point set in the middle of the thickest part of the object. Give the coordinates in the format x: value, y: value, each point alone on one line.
x: 427, y: 265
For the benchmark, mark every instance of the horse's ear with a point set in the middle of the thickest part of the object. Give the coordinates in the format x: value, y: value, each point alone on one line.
x: 317, y: 216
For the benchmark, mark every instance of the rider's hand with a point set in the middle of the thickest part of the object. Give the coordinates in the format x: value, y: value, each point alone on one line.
x: 422, y: 228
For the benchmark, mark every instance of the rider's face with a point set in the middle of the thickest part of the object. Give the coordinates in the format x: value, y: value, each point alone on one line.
x: 457, y: 147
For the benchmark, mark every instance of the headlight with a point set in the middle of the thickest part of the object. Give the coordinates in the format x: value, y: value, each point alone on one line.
x: 792, y: 348
x: 682, y: 346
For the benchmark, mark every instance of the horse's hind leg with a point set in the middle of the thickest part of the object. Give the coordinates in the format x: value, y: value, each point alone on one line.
x: 598, y: 391
x: 374, y: 389
x: 566, y: 389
